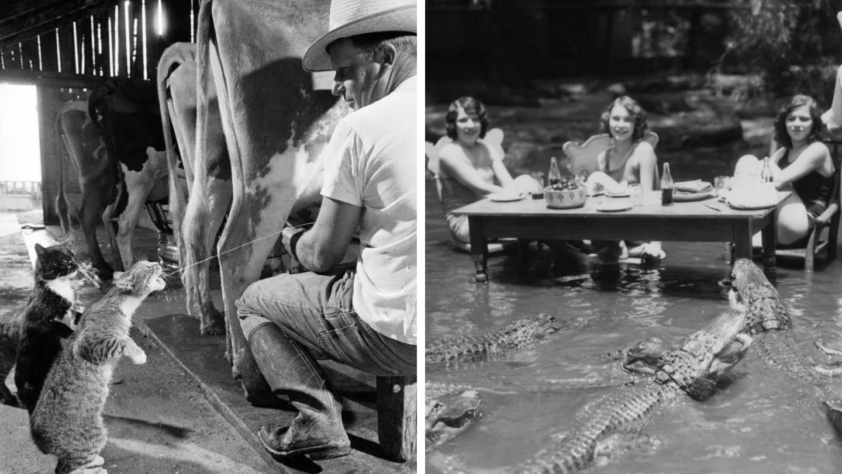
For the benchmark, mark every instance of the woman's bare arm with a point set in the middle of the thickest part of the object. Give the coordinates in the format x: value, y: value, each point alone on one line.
x: 811, y: 159
x: 456, y: 165
x: 647, y: 162
x: 500, y: 172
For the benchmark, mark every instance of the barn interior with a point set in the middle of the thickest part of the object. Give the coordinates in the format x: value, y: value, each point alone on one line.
x: 62, y: 49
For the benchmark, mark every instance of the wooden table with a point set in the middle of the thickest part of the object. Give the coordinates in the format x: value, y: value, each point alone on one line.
x: 683, y: 221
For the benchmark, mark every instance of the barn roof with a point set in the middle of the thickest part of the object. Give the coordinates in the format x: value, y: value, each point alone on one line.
x: 75, y: 43
x: 22, y: 20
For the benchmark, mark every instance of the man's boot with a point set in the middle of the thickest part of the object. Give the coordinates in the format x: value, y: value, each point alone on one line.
x: 292, y: 372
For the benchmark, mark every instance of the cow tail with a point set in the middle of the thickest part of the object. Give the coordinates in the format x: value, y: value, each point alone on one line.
x: 61, y: 201
x: 170, y: 60
x: 191, y: 245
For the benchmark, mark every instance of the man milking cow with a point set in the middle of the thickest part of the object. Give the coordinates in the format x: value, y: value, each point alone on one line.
x: 365, y: 317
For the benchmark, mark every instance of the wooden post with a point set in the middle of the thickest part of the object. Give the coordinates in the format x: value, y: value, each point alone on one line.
x: 48, y: 52
x: 66, y: 53
x: 396, y: 416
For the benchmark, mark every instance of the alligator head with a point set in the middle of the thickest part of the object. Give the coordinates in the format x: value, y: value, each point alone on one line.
x: 450, y: 415
x: 766, y: 311
x: 645, y: 356
x: 706, y: 355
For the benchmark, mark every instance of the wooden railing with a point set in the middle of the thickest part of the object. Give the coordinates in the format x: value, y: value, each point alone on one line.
x: 31, y: 188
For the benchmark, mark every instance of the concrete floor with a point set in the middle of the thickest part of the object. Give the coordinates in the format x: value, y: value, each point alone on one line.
x: 180, y: 412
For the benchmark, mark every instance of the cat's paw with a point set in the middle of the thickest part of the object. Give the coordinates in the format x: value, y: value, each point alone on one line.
x: 139, y: 358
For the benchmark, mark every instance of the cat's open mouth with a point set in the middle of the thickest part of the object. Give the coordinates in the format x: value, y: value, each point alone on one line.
x: 158, y: 282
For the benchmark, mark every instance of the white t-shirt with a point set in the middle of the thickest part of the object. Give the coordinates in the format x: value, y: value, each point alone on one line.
x: 370, y: 162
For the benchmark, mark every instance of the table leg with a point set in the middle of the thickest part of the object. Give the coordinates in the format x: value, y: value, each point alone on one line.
x: 770, y: 242
x: 479, y: 248
x: 742, y: 241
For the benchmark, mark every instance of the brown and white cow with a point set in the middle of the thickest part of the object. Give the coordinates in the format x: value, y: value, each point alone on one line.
x: 126, y: 111
x: 276, y: 126
x: 208, y: 178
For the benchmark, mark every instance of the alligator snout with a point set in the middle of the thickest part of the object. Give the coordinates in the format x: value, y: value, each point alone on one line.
x: 728, y: 357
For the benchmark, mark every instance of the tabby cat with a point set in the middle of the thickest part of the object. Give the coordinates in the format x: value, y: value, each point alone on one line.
x: 67, y: 421
x: 33, y: 339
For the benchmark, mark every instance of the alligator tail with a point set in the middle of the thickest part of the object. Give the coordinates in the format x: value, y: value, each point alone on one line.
x: 625, y: 411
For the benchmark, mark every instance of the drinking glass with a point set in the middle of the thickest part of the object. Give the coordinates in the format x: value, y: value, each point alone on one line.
x: 721, y: 183
x: 636, y: 194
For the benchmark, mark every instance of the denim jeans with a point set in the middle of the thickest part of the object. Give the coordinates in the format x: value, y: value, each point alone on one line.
x: 316, y: 312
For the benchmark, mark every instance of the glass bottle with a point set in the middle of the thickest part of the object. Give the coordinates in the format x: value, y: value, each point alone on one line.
x: 554, y: 176
x: 766, y: 174
x: 667, y: 186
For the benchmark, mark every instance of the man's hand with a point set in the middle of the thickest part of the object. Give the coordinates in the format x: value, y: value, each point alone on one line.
x: 322, y: 247
x: 286, y: 237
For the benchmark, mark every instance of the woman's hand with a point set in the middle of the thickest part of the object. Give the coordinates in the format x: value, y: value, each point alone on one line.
x: 608, y: 183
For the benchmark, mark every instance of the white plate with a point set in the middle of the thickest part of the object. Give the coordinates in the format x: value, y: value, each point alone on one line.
x: 614, y: 206
x: 622, y: 194
x: 505, y: 197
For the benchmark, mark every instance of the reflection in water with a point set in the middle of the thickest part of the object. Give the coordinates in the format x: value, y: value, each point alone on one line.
x: 758, y: 421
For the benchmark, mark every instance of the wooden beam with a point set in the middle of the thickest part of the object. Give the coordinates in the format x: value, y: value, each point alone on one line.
x: 30, y: 54
x: 22, y: 7
x: 49, y: 78
x: 66, y: 50
x: 153, y: 45
x: 48, y: 18
x: 48, y: 52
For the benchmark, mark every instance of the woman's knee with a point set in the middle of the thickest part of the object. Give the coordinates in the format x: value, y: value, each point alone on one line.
x: 792, y: 226
x: 459, y: 228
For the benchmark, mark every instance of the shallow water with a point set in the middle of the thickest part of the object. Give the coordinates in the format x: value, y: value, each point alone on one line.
x: 759, y: 421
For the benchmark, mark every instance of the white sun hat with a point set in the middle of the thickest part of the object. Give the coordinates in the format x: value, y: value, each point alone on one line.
x: 357, y: 17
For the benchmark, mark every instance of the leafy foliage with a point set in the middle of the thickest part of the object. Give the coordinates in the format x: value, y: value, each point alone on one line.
x: 795, y: 45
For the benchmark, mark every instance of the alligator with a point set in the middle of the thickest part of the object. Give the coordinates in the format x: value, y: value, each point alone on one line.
x: 516, y: 335
x: 769, y: 323
x: 693, y: 366
x: 449, y: 411
x: 452, y: 408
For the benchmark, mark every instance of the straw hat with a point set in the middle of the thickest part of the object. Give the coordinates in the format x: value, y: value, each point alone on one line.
x: 357, y: 17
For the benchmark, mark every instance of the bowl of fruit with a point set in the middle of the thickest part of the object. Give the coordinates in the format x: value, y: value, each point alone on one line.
x: 567, y: 194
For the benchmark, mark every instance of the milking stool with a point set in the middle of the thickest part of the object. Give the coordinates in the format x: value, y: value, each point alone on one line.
x: 397, y: 416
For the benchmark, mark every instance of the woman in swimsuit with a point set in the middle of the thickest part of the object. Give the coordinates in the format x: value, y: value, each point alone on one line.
x: 630, y: 160
x: 802, y: 165
x: 471, y: 168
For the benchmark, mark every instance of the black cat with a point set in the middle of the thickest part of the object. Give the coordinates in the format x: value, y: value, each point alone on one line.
x: 52, y: 311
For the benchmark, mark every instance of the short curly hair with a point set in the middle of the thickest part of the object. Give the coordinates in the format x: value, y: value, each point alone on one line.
x: 471, y: 106
x: 641, y: 125
x: 816, y: 133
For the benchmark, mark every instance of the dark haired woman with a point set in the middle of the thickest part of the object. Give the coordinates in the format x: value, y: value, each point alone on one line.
x: 471, y: 168
x: 803, y: 164
x: 630, y: 160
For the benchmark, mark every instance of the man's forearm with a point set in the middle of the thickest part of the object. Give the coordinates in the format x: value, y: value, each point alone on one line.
x: 314, y: 255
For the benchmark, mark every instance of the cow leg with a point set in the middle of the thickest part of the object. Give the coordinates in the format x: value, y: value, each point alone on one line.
x: 107, y: 220
x: 63, y: 211
x: 202, y: 221
x: 242, y: 252
x: 92, y: 199
x: 139, y: 186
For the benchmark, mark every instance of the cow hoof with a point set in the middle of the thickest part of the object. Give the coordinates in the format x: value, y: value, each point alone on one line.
x: 215, y: 328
